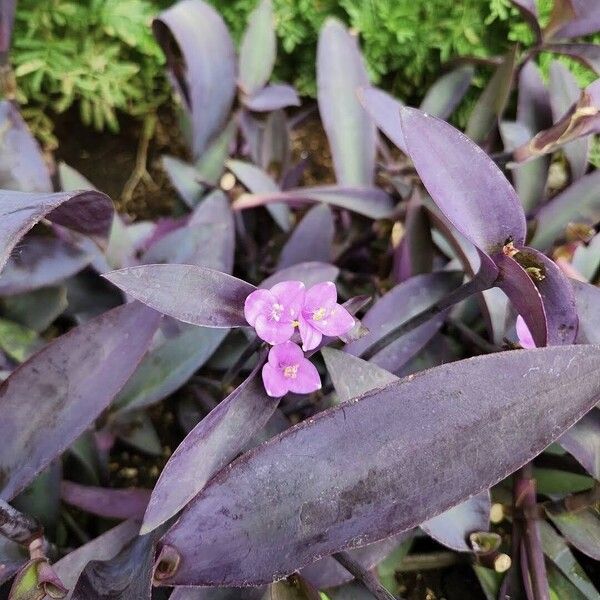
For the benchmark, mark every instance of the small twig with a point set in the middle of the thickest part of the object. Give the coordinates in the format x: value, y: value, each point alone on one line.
x: 502, y: 158
x: 477, y: 284
x: 431, y: 561
x: 366, y: 578
x: 574, y: 502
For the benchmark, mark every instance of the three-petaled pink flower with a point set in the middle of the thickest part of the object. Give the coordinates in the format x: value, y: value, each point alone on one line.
x: 274, y: 313
x: 288, y: 371
x: 322, y: 315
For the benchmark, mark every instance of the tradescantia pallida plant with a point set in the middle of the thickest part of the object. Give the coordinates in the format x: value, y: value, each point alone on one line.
x: 372, y: 362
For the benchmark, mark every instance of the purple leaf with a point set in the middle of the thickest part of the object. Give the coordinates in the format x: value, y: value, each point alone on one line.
x: 57, y: 393
x: 274, y: 148
x: 7, y: 18
x: 22, y: 165
x: 106, y: 502
x: 399, y: 305
x: 12, y: 558
x: 587, y: 298
x: 368, y: 201
x: 533, y: 104
x: 191, y: 34
x: 311, y: 240
x: 464, y: 182
x: 583, y: 442
x: 40, y: 262
x: 196, y: 593
x: 365, y: 475
x: 564, y: 92
x: 581, y: 529
x: 188, y: 293
x: 446, y: 93
x: 491, y: 104
x: 168, y: 366
x: 529, y: 12
x: 587, y: 54
x: 579, y: 203
x: 272, y: 97
x: 385, y: 111
x: 104, y: 547
x: 309, y: 273
x: 258, y: 49
x: 583, y: 19
x: 184, y: 178
x: 87, y: 212
x: 350, y: 131
x: 209, y: 447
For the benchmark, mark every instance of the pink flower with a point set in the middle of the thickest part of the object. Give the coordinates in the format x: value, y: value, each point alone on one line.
x: 322, y: 315
x: 274, y: 313
x: 288, y: 371
x: 524, y: 335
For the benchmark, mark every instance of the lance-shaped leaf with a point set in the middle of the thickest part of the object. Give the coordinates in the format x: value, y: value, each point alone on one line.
x: 189, y: 293
x: 564, y: 92
x: 39, y: 262
x: 106, y: 502
x: 191, y: 33
x: 22, y: 165
x: 582, y: 118
x: 579, y: 203
x: 87, y: 212
x: 447, y: 92
x: 465, y: 184
x: 369, y: 475
x: 272, y: 97
x: 311, y: 240
x: 583, y: 442
x: 574, y: 18
x: 350, y: 131
x: 491, y: 104
x: 184, y: 178
x: 396, y: 307
x: 385, y: 111
x: 126, y: 576
x: 309, y: 273
x: 587, y: 298
x: 258, y: 49
x: 368, y: 201
x: 581, y: 529
x: 352, y: 377
x: 168, y: 366
x: 57, y: 393
x: 104, y: 547
x: 209, y: 447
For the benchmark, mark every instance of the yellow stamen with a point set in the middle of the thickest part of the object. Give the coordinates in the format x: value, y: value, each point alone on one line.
x: 320, y: 314
x: 291, y: 371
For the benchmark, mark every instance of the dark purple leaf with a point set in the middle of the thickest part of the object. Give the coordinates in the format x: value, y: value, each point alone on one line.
x: 188, y: 293
x: 464, y: 182
x: 579, y: 203
x: 311, y: 240
x: 22, y: 165
x: 587, y: 54
x: 491, y: 104
x: 397, y: 306
x: 87, y: 212
x: 308, y: 273
x: 581, y: 529
x: 272, y: 97
x: 209, y: 447
x: 7, y: 17
x: 196, y: 593
x: 368, y: 201
x: 587, y: 298
x: 104, y: 547
x: 583, y: 18
x: 564, y: 92
x: 110, y: 503
x: 583, y: 442
x: 57, y: 393
x: 258, y: 49
x: 191, y: 34
x: 533, y: 104
x: 529, y: 12
x: 364, y: 474
x: 168, y: 366
x: 41, y: 262
x: 350, y: 131
x: 447, y: 92
x: 385, y: 111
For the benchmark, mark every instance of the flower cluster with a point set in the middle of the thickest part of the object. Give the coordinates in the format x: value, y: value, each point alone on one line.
x: 275, y: 314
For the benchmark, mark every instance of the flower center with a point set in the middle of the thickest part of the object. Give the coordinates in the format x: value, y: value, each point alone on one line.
x: 320, y: 314
x: 290, y: 372
x: 276, y: 311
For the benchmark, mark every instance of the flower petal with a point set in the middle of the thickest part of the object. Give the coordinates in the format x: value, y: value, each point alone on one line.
x: 320, y: 295
x: 337, y: 321
x: 276, y: 385
x: 256, y: 303
x: 307, y: 379
x: 285, y: 354
x: 310, y: 336
x: 291, y: 295
x: 524, y: 335
x: 273, y: 332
